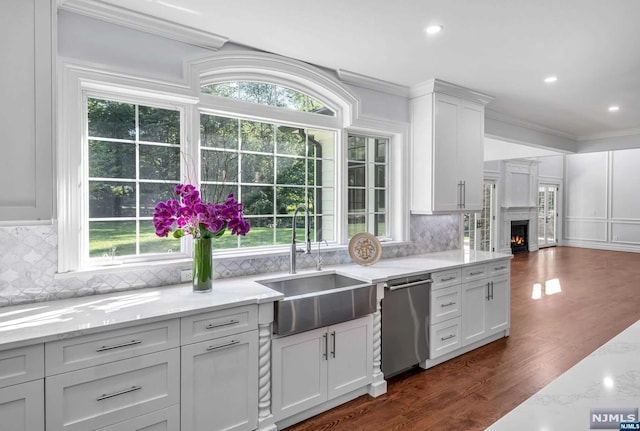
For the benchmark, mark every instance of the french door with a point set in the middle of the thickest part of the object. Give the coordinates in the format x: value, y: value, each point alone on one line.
x: 547, y: 215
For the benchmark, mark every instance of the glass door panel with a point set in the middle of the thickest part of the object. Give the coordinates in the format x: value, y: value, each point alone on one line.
x: 478, y: 227
x: 547, y: 215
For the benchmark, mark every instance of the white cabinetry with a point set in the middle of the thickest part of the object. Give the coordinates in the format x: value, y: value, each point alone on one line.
x: 26, y: 109
x: 485, y: 301
x: 447, y: 148
x: 319, y: 365
x: 220, y: 374
x: 22, y: 389
x: 445, y: 311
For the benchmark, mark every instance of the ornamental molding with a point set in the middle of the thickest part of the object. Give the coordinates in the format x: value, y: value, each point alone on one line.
x: 438, y: 86
x: 370, y: 83
x: 104, y: 11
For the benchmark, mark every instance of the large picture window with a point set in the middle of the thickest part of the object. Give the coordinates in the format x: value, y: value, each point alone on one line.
x: 133, y: 162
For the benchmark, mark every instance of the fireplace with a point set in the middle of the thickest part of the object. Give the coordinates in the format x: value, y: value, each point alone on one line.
x: 519, y: 236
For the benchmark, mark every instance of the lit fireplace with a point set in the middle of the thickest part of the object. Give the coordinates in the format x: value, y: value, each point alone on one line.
x: 519, y: 235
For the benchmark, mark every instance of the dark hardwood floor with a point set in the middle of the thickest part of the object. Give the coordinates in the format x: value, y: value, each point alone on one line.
x: 599, y: 297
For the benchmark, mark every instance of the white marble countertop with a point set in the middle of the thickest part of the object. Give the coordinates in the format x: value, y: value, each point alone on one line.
x: 609, y: 378
x: 45, y: 321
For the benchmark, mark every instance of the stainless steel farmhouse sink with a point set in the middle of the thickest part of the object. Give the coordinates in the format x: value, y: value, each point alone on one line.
x: 316, y: 300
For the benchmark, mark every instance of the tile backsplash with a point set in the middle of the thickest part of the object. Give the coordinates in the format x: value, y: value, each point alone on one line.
x: 29, y: 260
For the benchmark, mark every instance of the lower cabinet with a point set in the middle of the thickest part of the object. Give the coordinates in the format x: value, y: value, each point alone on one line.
x: 22, y: 407
x: 316, y: 366
x: 219, y: 384
x: 162, y: 420
x: 486, y: 304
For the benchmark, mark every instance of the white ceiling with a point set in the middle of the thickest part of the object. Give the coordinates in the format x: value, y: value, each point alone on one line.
x: 504, y: 48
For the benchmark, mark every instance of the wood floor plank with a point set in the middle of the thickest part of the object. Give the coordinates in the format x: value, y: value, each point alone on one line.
x: 599, y: 297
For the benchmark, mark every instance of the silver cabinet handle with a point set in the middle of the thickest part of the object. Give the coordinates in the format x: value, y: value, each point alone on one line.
x: 498, y: 268
x: 448, y: 304
x: 333, y: 338
x: 122, y: 392
x: 460, y: 194
x: 222, y: 346
x: 217, y: 325
x: 464, y: 194
x: 453, y: 277
x: 492, y: 290
x: 488, y: 291
x: 118, y: 346
x: 476, y: 273
x: 325, y: 355
x: 448, y: 337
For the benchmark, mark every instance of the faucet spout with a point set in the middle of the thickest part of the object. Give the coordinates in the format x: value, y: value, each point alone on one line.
x: 294, y: 249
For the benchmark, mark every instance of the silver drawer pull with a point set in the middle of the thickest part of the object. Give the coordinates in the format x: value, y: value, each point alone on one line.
x: 122, y: 392
x: 453, y: 277
x: 476, y: 273
x: 498, y: 268
x: 222, y: 346
x: 217, y: 325
x: 448, y: 337
x: 448, y: 304
x: 118, y: 346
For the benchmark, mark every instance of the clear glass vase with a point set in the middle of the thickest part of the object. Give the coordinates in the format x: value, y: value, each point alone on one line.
x: 202, y: 265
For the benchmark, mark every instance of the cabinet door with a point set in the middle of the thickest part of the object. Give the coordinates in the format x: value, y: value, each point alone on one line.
x: 446, y: 190
x: 162, y: 420
x: 220, y: 384
x: 470, y: 154
x: 474, y: 311
x: 299, y: 372
x: 22, y: 407
x: 350, y: 356
x: 498, y: 307
x: 26, y: 109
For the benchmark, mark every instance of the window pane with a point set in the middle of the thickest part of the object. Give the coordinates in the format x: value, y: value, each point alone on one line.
x: 381, y: 171
x: 381, y: 151
x: 262, y: 232
x: 151, y: 194
x: 159, y: 125
x: 357, y: 174
x: 291, y: 140
x: 380, y: 228
x: 112, y: 238
x: 216, y: 193
x: 225, y: 89
x: 112, y: 199
x: 109, y: 119
x: 151, y: 243
x: 160, y: 163
x: 356, y: 224
x: 356, y: 148
x: 357, y: 202
x: 112, y: 160
x: 257, y: 169
x: 379, y: 205
x: 219, y: 132
x: 258, y: 92
x: 290, y: 170
x: 322, y: 142
x: 257, y: 136
x: 288, y: 198
x: 221, y: 166
x: 257, y: 200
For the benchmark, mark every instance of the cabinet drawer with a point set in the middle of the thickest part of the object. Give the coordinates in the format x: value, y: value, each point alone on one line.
x: 445, y: 304
x: 162, y: 420
x: 220, y: 323
x: 90, y: 350
x: 96, y: 397
x: 499, y: 267
x: 444, y: 337
x: 474, y: 272
x: 446, y: 278
x: 22, y: 407
x: 22, y: 364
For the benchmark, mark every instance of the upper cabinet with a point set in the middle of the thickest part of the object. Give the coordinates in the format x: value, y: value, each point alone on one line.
x: 26, y: 172
x: 447, y: 148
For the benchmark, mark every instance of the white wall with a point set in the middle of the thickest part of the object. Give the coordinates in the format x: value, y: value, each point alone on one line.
x: 602, y: 200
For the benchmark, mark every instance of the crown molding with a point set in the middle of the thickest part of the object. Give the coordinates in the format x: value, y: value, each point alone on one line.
x: 439, y: 86
x: 614, y: 134
x: 499, y: 116
x: 370, y: 83
x: 139, y: 21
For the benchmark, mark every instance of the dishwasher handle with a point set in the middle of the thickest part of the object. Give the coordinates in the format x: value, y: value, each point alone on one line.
x: 405, y: 285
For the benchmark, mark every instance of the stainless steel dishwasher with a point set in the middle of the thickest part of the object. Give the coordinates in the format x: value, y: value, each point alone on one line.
x: 405, y: 323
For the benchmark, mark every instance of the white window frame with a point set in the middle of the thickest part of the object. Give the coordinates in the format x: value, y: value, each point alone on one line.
x: 76, y: 79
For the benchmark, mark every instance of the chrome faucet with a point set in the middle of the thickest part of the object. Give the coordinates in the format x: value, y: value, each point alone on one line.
x: 318, y: 257
x: 294, y: 247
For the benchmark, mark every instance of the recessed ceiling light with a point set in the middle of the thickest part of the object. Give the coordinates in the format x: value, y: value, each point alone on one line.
x: 433, y: 29
x: 614, y: 108
x: 550, y: 79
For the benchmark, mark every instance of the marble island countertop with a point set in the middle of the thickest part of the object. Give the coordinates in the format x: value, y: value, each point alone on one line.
x: 46, y: 321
